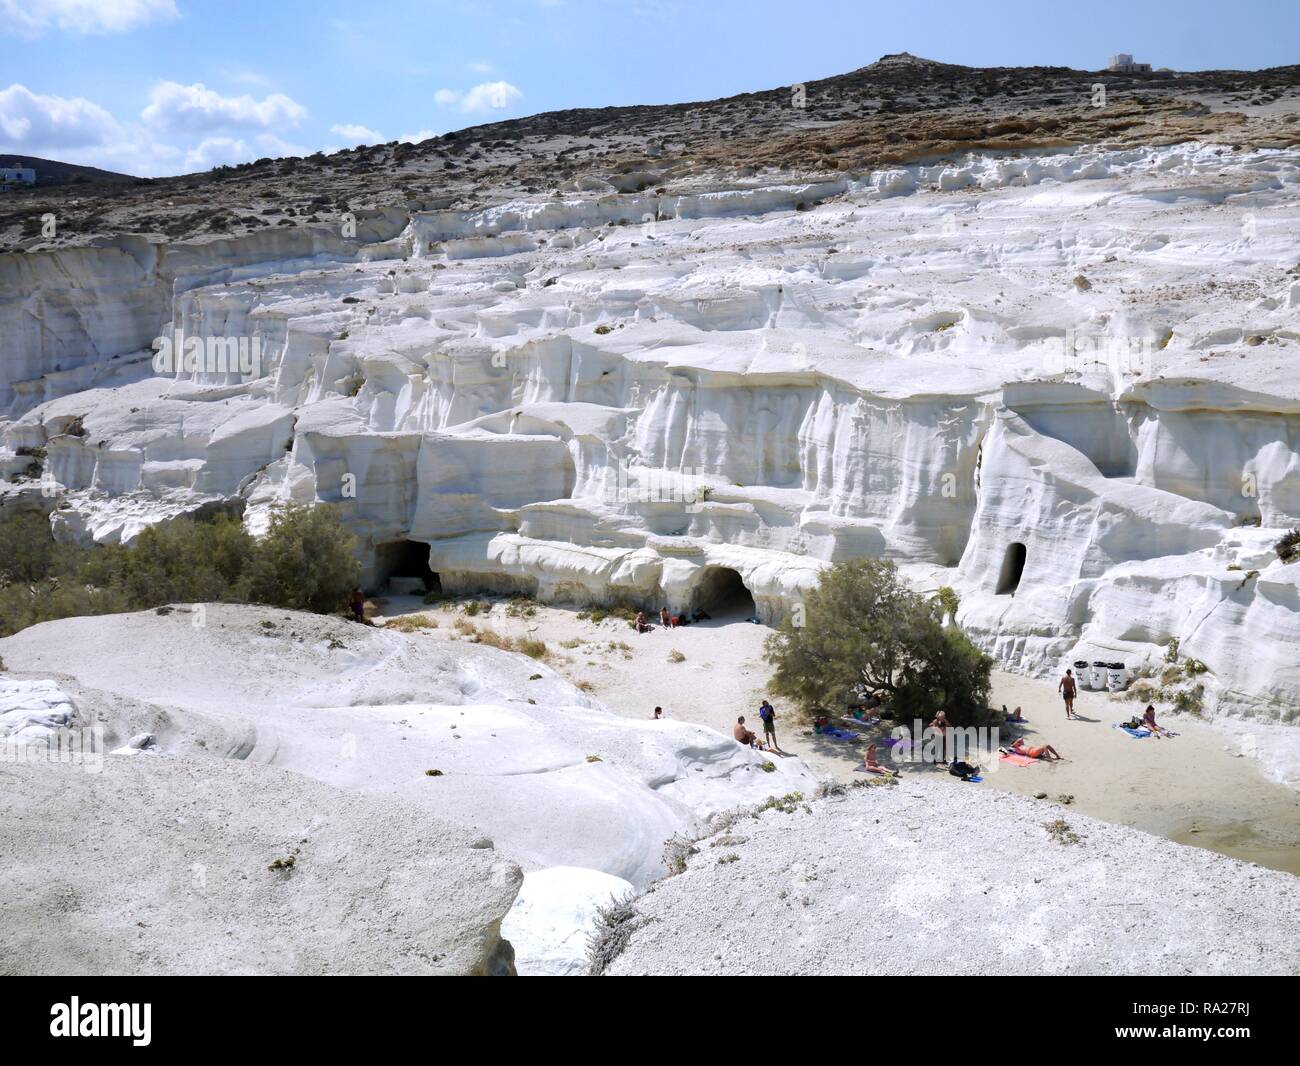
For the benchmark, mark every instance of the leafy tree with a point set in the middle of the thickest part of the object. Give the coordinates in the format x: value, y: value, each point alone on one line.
x: 861, y: 626
x: 306, y: 561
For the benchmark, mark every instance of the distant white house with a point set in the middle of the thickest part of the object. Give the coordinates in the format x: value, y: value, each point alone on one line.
x: 17, y: 176
x: 1122, y: 63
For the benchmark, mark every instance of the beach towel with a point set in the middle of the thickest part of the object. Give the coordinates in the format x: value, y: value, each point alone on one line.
x: 1137, y: 734
x: 863, y: 769
x: 859, y: 721
x: 1017, y: 760
x: 839, y: 734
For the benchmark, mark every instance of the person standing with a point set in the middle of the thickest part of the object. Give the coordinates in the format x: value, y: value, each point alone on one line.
x: 768, y: 714
x: 1068, y: 688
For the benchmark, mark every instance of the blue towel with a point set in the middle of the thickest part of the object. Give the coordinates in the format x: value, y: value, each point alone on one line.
x: 1137, y: 734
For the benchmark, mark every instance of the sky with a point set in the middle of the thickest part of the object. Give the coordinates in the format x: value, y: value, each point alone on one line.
x: 152, y: 87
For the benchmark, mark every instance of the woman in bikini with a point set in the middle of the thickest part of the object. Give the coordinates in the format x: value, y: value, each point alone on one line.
x: 1045, y: 752
x: 873, y: 767
x: 1149, y: 721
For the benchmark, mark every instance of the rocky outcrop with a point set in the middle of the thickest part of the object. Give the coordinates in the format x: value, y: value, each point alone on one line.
x: 869, y: 883
x: 216, y: 866
x: 479, y: 738
x: 1010, y: 373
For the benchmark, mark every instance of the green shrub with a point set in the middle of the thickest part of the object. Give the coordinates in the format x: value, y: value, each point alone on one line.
x: 1288, y: 546
x: 534, y: 649
x: 306, y: 561
x: 862, y: 626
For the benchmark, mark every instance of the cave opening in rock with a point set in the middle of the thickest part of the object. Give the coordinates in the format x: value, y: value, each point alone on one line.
x: 408, y: 562
x: 1013, y: 565
x: 722, y: 593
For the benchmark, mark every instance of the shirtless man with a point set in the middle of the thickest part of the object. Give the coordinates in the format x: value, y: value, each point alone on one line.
x: 743, y: 735
x: 1067, y: 688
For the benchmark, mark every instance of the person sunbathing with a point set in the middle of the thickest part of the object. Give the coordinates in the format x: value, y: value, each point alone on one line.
x: 1013, y: 716
x: 1045, y: 752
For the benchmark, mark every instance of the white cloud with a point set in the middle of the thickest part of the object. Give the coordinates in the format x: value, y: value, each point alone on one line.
x: 416, y: 138
x: 227, y: 151
x: 357, y: 134
x: 217, y: 151
x: 480, y: 67
x: 30, y: 121
x: 491, y: 95
x: 32, y: 18
x: 197, y: 109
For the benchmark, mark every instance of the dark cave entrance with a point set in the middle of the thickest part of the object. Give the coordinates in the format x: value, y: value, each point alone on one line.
x: 1013, y: 565
x: 721, y: 591
x: 404, y: 559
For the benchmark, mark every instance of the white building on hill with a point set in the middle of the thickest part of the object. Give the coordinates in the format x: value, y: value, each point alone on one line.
x: 17, y: 176
x: 1122, y: 63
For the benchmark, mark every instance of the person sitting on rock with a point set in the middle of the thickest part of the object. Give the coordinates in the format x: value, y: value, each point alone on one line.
x: 743, y: 735
x: 642, y: 625
x: 1045, y: 752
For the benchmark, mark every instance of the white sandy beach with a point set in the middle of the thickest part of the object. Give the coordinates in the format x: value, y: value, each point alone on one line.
x: 1197, y: 788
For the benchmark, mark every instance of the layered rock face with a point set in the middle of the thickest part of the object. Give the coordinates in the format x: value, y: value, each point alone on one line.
x: 1064, y: 384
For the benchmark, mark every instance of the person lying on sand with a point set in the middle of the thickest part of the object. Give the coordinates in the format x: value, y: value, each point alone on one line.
x: 743, y: 735
x: 1013, y: 716
x: 1045, y: 752
x: 699, y: 615
x: 1149, y: 722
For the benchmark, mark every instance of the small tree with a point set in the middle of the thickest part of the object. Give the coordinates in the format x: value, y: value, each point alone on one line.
x: 306, y: 561
x: 863, y: 627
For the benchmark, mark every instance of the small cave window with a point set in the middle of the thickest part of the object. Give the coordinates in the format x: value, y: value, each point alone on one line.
x: 1013, y: 565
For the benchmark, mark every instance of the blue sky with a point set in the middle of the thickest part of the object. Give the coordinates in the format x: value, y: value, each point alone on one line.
x: 167, y: 86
